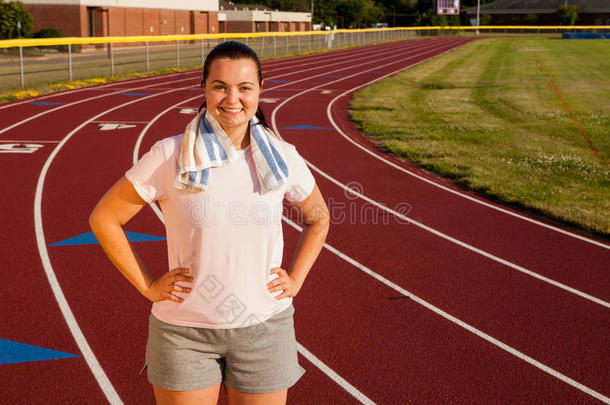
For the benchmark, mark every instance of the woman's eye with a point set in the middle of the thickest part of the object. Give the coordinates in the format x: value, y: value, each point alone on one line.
x: 246, y: 88
x: 219, y: 87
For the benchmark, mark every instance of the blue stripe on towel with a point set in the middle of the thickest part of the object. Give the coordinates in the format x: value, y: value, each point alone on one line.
x: 213, y: 138
x: 207, y: 139
x: 279, y: 160
x: 204, y: 177
x: 192, y: 176
x: 266, y: 153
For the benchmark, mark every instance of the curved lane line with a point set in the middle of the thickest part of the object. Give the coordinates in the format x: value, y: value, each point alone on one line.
x: 77, y: 333
x: 61, y: 93
x: 33, y: 117
x: 462, y: 324
x: 404, y: 292
x: 160, y: 82
x: 79, y: 337
x: 425, y: 227
x: 458, y: 193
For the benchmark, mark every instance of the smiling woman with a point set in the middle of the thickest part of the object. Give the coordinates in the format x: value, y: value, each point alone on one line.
x: 223, y: 312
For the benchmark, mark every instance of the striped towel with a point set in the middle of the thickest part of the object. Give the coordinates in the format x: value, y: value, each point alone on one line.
x: 205, y: 145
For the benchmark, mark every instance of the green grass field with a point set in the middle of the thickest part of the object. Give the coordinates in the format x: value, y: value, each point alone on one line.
x: 486, y: 116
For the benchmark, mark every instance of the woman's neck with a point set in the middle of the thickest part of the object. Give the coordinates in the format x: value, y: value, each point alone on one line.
x: 239, y: 136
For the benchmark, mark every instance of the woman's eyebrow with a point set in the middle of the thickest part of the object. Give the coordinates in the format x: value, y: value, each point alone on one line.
x: 221, y: 82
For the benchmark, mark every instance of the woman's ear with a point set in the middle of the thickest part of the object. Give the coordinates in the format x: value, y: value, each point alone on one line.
x: 260, y: 90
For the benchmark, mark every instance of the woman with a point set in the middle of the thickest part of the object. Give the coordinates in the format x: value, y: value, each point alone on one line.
x: 223, y: 312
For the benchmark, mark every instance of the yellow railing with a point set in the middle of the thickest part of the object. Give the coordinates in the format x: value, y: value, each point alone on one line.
x: 30, y: 42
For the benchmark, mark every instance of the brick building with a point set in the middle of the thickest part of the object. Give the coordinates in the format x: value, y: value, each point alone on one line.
x: 514, y: 12
x: 234, y: 17
x: 98, y: 18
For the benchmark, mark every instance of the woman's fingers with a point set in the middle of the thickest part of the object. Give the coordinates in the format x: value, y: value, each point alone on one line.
x: 179, y: 288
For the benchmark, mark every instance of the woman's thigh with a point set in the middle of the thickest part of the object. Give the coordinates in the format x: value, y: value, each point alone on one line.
x: 204, y: 396
x: 240, y: 398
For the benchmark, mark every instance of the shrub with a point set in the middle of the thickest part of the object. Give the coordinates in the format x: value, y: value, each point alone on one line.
x: 48, y: 33
x: 568, y: 14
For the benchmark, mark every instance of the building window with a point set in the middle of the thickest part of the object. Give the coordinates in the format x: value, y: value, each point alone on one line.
x: 90, y: 21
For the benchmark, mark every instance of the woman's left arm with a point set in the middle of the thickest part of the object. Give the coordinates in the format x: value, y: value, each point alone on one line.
x: 316, y: 220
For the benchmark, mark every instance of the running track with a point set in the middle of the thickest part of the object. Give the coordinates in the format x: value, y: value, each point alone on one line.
x: 423, y: 294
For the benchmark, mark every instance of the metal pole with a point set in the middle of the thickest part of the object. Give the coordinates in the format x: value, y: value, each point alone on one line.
x: 274, y: 44
x: 70, y: 62
x: 21, y: 67
x: 299, y: 43
x: 147, y: 57
x: 263, y: 46
x: 478, y: 15
x: 111, y: 59
x: 177, y: 54
x: 286, y: 43
x: 202, y: 50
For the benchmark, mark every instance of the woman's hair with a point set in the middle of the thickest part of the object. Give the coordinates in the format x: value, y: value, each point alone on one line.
x: 234, y: 50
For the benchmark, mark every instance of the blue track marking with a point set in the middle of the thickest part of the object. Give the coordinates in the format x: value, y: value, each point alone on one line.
x: 90, y: 239
x: 277, y: 81
x: 46, y: 102
x: 135, y: 94
x: 15, y: 352
x: 304, y: 127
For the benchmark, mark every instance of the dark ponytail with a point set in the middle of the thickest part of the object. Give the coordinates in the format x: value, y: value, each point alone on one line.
x: 234, y: 50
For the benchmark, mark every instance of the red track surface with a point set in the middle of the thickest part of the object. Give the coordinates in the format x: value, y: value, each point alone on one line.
x: 469, y: 304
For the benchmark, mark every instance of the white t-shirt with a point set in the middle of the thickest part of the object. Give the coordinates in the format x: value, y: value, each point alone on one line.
x: 230, y: 236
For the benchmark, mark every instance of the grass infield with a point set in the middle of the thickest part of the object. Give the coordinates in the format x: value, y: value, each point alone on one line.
x: 487, y: 116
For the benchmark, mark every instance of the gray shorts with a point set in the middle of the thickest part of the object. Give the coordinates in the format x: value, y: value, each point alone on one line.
x: 255, y: 359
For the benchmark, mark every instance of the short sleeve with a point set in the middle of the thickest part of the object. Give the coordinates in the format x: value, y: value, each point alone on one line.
x: 149, y: 174
x: 302, y: 181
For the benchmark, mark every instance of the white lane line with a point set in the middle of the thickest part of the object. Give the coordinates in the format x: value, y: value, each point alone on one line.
x: 14, y: 141
x: 422, y: 226
x: 122, y: 90
x: 100, y: 87
x: 369, y: 59
x: 415, y: 298
x: 120, y: 121
x: 77, y: 333
x: 33, y: 117
x: 458, y: 193
x: 460, y: 243
x: 334, y: 376
x: 461, y: 323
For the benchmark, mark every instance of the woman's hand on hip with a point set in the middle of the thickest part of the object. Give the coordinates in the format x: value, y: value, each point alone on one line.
x: 165, y: 287
x: 284, y: 282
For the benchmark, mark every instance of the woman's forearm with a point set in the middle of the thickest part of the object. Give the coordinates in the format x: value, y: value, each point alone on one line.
x: 113, y: 240
x: 308, y: 249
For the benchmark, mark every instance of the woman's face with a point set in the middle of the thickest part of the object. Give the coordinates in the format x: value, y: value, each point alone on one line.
x: 231, y: 92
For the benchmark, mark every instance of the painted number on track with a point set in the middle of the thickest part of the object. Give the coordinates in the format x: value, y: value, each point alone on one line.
x: 19, y: 147
x: 111, y: 127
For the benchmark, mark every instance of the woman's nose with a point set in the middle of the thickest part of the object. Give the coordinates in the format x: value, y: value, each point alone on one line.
x: 232, y: 96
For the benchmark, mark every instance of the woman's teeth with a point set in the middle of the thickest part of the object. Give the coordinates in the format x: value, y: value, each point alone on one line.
x: 231, y: 110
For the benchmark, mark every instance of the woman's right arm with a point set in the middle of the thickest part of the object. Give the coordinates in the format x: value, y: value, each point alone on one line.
x: 113, y: 211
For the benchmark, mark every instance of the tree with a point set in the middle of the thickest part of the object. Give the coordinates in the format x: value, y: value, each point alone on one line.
x: 568, y: 14
x: 324, y: 11
x: 10, y: 14
x: 358, y: 13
